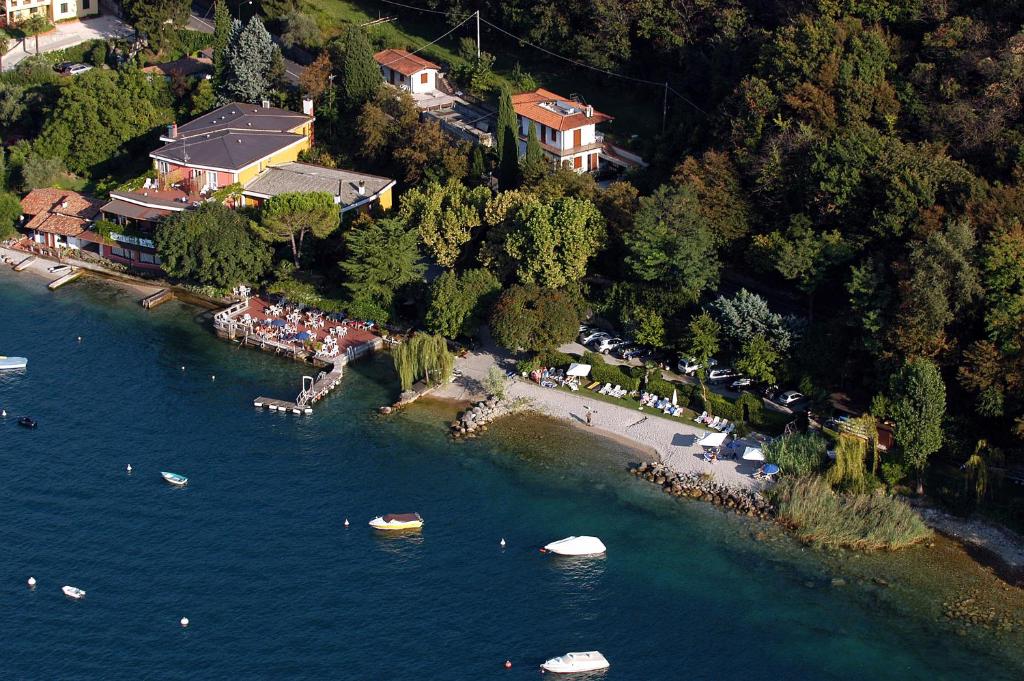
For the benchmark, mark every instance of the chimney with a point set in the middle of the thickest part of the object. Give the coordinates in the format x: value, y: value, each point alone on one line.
x: 362, y: 188
x: 64, y: 204
x: 172, y: 130
x: 590, y: 111
x: 307, y: 107
x: 266, y: 103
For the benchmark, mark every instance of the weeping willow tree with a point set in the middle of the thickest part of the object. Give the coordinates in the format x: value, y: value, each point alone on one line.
x: 423, y: 356
x: 848, y: 472
x: 976, y: 468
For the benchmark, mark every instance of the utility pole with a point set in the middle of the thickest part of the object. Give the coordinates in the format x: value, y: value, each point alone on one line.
x: 664, y: 109
x: 478, y: 35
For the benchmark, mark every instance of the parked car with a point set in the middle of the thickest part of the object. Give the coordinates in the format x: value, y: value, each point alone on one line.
x: 606, y: 345
x: 625, y: 351
x: 688, y: 365
x: 742, y: 383
x: 73, y: 69
x: 721, y: 375
x: 770, y: 391
x: 789, y: 397
x: 587, y: 336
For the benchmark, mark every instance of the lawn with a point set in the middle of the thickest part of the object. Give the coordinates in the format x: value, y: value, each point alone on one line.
x: 637, y: 108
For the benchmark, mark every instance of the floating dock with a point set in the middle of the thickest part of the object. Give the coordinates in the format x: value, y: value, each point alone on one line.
x: 159, y: 298
x: 69, y: 277
x: 24, y: 263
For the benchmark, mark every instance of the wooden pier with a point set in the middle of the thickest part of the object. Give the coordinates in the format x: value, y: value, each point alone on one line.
x: 158, y: 298
x: 24, y: 263
x: 67, y: 278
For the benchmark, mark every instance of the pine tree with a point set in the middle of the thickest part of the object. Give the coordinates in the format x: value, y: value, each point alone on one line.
x: 507, y: 143
x: 360, y: 74
x: 248, y: 61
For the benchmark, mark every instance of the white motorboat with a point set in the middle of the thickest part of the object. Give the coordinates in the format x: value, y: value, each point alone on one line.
x: 397, y: 521
x: 13, y: 362
x: 576, y: 546
x: 576, y: 662
x: 174, y: 478
x: 73, y: 592
x: 59, y: 269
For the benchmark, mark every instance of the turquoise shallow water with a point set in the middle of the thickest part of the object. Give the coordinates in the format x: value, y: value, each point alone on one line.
x: 253, y: 551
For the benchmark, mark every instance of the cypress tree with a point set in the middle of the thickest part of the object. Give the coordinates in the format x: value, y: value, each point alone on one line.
x: 476, y: 165
x: 222, y: 25
x: 507, y: 143
x: 360, y: 74
x: 533, y: 162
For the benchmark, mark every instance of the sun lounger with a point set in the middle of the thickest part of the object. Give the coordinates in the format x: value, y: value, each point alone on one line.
x: 729, y: 428
x: 606, y: 389
x: 721, y: 424
x: 700, y: 419
x: 593, y: 385
x: 714, y: 423
x: 617, y: 391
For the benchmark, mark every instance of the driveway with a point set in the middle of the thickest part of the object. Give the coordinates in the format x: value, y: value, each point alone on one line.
x: 67, y: 35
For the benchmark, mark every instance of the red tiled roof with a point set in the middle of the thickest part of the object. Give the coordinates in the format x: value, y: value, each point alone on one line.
x: 59, y: 211
x: 404, y: 62
x: 528, y: 105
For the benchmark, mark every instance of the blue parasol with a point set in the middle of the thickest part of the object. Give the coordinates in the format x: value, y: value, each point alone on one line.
x: 304, y: 335
x: 770, y: 469
x: 278, y: 323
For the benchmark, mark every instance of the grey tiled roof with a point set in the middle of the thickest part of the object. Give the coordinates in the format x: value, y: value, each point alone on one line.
x: 228, y: 150
x: 243, y: 117
x: 302, y: 177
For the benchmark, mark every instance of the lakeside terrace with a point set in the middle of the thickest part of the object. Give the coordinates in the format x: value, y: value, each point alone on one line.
x: 304, y: 334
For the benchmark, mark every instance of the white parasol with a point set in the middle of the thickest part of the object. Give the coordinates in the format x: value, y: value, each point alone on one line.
x: 753, y: 454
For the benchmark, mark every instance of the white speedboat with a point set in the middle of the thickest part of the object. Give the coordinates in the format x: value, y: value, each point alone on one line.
x: 397, y: 521
x: 576, y: 546
x: 73, y: 592
x: 13, y: 362
x: 174, y: 478
x: 576, y: 662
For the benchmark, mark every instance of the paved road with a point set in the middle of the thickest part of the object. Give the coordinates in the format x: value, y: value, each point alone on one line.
x: 68, y: 35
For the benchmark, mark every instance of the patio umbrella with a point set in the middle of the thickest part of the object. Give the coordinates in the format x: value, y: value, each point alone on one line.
x: 304, y: 335
x: 712, y: 439
x: 675, y: 397
x: 753, y: 454
x: 278, y: 323
x: 770, y: 469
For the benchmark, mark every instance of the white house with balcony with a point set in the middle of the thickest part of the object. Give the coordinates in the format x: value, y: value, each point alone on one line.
x: 408, y: 71
x: 566, y: 128
x: 16, y: 11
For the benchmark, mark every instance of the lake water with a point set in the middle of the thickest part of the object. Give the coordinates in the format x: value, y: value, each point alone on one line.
x: 255, y: 553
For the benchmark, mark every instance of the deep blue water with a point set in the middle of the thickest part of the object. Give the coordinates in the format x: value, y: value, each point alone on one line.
x: 254, y: 551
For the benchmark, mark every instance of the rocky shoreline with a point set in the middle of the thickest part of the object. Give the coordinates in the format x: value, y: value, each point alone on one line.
x: 704, y: 488
x: 474, y: 420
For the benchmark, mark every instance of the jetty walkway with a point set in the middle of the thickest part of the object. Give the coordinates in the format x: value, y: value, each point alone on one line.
x: 302, y: 334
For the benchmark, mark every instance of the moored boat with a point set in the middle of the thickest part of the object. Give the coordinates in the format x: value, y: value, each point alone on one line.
x: 174, y: 478
x: 13, y: 362
x: 576, y: 662
x: 397, y: 521
x: 27, y: 422
x: 73, y: 592
x: 576, y: 546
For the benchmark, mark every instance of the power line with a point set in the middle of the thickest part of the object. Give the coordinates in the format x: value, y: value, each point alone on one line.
x: 418, y: 9
x: 418, y: 49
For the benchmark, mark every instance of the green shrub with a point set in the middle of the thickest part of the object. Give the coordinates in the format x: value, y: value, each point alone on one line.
x: 527, y: 365
x: 754, y: 405
x: 662, y: 388
x: 610, y: 373
x: 189, y: 42
x: 797, y: 455
x: 553, y: 358
x: 860, y: 521
x: 893, y: 473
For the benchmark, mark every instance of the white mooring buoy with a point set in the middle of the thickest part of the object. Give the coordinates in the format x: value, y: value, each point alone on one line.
x: 346, y: 522
x: 129, y: 468
x: 31, y: 582
x: 79, y: 339
x: 3, y: 412
x: 184, y: 621
x: 502, y: 543
x: 183, y: 368
x: 213, y: 378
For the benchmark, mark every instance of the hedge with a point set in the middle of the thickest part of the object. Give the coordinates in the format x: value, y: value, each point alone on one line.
x: 610, y: 373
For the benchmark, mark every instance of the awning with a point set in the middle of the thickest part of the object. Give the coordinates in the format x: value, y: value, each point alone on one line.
x: 580, y: 370
x: 753, y: 454
x: 712, y: 440
x: 134, y: 211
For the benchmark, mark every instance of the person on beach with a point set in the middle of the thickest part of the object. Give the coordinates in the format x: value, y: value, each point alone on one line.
x: 589, y: 417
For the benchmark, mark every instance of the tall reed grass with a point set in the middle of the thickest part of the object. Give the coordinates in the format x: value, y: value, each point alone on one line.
x: 826, y: 518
